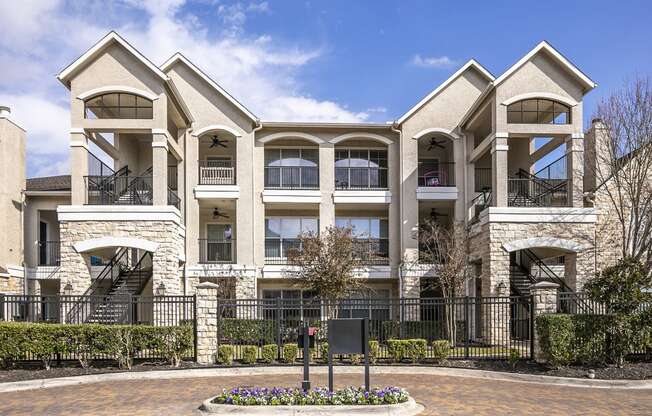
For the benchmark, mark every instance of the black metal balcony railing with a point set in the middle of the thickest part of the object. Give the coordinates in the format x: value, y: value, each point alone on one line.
x: 173, y: 199
x: 374, y: 251
x: 216, y: 251
x: 118, y: 190
x: 216, y: 172
x: 360, y: 178
x: 528, y: 192
x: 432, y: 174
x: 482, y: 179
x: 173, y: 177
x: 277, y: 249
x: 369, y: 251
x: 49, y: 253
x: 291, y: 177
x: 480, y: 203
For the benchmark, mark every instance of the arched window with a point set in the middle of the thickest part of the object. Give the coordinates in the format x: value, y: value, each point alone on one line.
x: 538, y: 111
x: 118, y: 105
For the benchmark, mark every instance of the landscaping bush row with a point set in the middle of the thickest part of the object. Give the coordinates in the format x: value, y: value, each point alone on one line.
x: 399, y: 350
x: 587, y: 339
x: 45, y: 342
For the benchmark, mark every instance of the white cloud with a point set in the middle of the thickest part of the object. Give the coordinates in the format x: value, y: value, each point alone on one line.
x: 257, y: 69
x: 432, y: 61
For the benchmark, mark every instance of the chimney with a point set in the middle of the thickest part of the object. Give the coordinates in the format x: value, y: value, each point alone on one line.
x: 5, y: 112
x: 596, y: 155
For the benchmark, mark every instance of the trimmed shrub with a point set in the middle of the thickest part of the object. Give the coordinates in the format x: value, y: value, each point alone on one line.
x: 415, y: 349
x: 12, y: 342
x: 556, y: 337
x: 269, y: 353
x: 175, y: 342
x: 249, y: 354
x: 225, y: 354
x: 248, y: 331
x: 323, y: 350
x: 440, y: 350
x: 396, y: 350
x: 290, y: 352
x: 373, y: 351
x: 514, y: 357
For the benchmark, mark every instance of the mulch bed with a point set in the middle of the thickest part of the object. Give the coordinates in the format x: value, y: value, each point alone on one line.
x: 631, y: 371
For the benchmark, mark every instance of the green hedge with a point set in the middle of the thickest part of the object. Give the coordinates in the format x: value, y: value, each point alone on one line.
x: 412, y: 349
x: 428, y: 330
x: 19, y: 341
x: 269, y: 353
x: 355, y: 358
x: 248, y: 331
x: 569, y: 339
x: 290, y: 353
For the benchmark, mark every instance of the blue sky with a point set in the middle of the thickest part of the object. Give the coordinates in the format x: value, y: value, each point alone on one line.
x: 310, y: 60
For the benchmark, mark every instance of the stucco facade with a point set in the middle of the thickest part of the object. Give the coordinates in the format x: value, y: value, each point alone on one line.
x: 221, y: 193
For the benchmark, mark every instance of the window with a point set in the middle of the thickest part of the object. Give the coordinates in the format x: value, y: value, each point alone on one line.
x: 538, y: 111
x: 118, y: 106
x: 291, y: 168
x: 282, y: 234
x: 360, y: 168
x: 365, y: 227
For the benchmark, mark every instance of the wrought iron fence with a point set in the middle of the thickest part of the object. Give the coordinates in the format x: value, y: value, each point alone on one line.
x: 119, y: 190
x: 116, y: 309
x: 478, y: 328
x: 49, y: 253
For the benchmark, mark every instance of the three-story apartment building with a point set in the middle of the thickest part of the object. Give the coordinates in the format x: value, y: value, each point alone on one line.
x: 202, y: 189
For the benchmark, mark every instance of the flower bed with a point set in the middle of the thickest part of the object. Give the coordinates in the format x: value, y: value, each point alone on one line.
x: 315, y: 397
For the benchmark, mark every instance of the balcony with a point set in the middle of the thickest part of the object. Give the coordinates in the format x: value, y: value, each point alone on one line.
x: 535, y: 192
x: 292, y: 177
x: 216, y: 251
x: 119, y: 190
x: 277, y: 249
x: 216, y: 172
x: 364, y: 178
x: 368, y: 251
x: 436, y: 180
x: 482, y: 179
x: 49, y: 253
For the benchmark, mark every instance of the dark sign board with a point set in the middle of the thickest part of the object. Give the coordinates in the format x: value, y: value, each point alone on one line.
x: 348, y: 336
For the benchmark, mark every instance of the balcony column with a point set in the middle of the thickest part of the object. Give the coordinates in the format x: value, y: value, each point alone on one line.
x: 327, y: 185
x: 192, y: 204
x: 499, y: 148
x: 458, y: 158
x: 78, y: 166
x: 575, y: 169
x: 468, y: 187
x: 394, y: 214
x: 160, y: 168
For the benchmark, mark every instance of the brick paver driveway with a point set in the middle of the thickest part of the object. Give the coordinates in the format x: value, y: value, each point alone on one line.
x: 440, y: 395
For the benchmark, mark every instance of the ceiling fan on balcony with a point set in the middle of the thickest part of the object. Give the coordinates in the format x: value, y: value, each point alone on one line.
x: 216, y: 141
x: 217, y: 214
x: 435, y: 143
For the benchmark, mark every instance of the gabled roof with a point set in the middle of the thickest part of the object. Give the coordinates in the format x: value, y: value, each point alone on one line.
x: 470, y: 64
x: 561, y: 59
x: 65, y: 75
x: 178, y: 57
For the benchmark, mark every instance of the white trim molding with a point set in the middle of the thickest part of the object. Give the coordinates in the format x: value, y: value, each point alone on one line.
x: 545, y: 95
x: 111, y: 37
x: 117, y: 88
x: 119, y: 213
x: 293, y: 196
x: 563, y: 215
x: 437, y: 193
x: 368, y: 272
x: 361, y: 135
x: 221, y: 270
x: 436, y: 130
x: 107, y: 242
x: 217, y: 192
x: 291, y: 135
x: 544, y: 242
x: 178, y: 57
x: 362, y: 197
x: 470, y: 64
x: 216, y: 127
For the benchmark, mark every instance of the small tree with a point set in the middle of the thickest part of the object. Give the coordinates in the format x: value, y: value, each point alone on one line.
x: 326, y: 263
x: 624, y: 290
x: 623, y: 166
x: 446, y: 246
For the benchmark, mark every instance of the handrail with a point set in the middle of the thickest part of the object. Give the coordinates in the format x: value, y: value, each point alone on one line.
x: 548, y: 167
x: 480, y: 203
x: 547, y: 270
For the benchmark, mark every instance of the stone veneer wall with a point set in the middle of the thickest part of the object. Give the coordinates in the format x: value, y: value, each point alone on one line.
x: 11, y: 285
x: 608, y: 231
x: 487, y: 240
x: 75, y: 267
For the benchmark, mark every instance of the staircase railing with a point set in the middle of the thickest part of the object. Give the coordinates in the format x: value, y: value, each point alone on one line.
x: 142, y: 272
x: 99, y: 287
x: 537, y: 193
x: 525, y: 272
x: 480, y: 202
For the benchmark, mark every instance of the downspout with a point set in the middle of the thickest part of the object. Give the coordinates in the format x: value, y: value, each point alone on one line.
x: 395, y: 129
x: 257, y: 127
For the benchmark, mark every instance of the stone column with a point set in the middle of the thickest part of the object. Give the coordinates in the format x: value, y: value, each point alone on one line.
x: 575, y: 169
x: 206, y: 322
x: 499, y: 166
x: 160, y: 169
x: 326, y: 185
x: 78, y: 166
x: 544, y: 301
